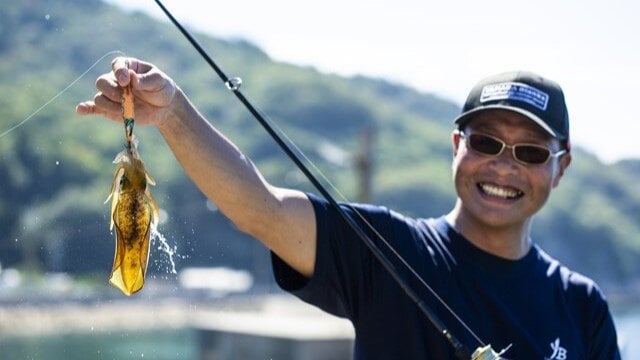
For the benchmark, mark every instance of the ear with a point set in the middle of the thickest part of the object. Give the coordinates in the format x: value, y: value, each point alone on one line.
x: 455, y: 139
x: 563, y: 164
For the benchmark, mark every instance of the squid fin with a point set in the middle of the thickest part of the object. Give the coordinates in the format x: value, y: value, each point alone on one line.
x: 154, y: 209
x: 150, y: 179
x: 115, y: 193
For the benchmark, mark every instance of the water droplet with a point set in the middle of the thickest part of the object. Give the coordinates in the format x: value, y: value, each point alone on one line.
x: 164, y: 246
x: 47, y: 17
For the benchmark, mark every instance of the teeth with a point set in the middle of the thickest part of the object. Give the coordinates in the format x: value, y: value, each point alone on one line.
x: 499, y: 191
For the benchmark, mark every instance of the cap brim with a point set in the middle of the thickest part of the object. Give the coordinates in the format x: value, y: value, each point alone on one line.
x: 464, y: 117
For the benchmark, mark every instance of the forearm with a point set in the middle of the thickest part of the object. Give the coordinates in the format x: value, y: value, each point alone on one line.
x: 282, y: 219
x: 219, y: 169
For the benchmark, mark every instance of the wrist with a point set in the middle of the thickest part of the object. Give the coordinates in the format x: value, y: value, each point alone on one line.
x: 176, y: 111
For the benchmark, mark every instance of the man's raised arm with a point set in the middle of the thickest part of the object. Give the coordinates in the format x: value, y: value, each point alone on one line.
x: 282, y: 219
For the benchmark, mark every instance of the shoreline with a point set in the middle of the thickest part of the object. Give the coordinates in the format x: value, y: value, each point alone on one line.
x: 241, y: 315
x: 42, y: 320
x: 264, y: 314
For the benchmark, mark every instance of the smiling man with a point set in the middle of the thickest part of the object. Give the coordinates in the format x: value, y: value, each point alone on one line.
x: 493, y: 284
x: 510, y: 150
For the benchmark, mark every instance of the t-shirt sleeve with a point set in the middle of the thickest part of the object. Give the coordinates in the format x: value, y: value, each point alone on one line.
x: 342, y: 260
x: 604, y: 343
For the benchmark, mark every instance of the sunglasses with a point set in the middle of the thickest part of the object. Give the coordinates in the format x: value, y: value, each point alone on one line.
x: 527, y: 154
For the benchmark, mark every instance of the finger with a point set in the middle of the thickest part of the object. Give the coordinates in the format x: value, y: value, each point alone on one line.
x: 86, y: 108
x: 106, y: 105
x: 108, y: 86
x: 124, y: 67
x: 139, y: 66
x: 120, y: 67
x: 89, y: 108
x: 152, y: 81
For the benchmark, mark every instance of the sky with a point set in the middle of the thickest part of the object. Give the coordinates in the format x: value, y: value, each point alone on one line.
x: 589, y: 47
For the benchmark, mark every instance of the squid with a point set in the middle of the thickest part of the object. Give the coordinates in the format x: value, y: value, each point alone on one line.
x: 134, y: 211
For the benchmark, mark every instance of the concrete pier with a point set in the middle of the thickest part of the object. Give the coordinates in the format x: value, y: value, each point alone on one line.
x: 286, y: 329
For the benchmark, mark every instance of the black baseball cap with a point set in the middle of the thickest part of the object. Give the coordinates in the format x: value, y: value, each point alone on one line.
x: 540, y: 100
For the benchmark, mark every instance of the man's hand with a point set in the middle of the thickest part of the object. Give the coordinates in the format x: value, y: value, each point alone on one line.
x: 154, y: 92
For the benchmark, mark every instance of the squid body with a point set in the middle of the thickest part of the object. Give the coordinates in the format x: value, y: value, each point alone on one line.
x: 134, y: 213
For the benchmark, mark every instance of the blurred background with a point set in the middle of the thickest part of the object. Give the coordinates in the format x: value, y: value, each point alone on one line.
x: 374, y: 116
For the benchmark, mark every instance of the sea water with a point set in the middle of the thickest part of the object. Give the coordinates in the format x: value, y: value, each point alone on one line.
x: 163, y: 245
x: 182, y: 344
x: 628, y: 326
x: 159, y: 344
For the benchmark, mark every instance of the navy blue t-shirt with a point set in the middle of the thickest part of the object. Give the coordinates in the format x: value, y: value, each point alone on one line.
x: 536, y: 305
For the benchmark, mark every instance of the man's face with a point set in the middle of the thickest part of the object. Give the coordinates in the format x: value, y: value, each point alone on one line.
x: 498, y: 191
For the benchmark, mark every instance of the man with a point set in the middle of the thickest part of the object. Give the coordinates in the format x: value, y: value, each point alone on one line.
x: 511, y: 148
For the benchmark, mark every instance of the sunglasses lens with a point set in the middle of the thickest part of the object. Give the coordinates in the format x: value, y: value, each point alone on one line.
x: 532, y: 154
x: 529, y: 154
x: 484, y: 144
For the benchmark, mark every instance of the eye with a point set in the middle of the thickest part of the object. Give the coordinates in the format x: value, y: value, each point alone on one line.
x: 532, y: 154
x: 485, y: 144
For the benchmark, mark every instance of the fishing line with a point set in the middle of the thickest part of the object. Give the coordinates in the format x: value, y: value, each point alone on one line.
x: 61, y: 92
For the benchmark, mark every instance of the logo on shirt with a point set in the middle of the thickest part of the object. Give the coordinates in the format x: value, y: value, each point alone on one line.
x: 558, y: 352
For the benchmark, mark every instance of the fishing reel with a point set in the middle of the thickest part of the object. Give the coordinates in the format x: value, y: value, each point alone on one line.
x: 487, y: 353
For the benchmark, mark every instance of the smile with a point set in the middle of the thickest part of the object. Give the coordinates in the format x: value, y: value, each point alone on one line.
x: 499, y: 191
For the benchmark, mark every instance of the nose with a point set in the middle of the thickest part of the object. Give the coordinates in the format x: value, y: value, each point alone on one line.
x: 504, y: 163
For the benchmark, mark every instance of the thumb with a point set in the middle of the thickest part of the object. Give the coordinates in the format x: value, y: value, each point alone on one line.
x: 153, y: 81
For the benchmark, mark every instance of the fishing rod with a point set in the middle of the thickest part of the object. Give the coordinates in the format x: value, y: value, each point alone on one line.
x: 233, y: 84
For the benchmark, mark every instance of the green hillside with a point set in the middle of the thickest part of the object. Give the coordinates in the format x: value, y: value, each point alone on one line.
x: 56, y: 169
